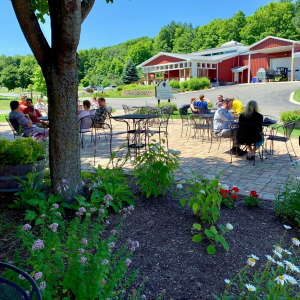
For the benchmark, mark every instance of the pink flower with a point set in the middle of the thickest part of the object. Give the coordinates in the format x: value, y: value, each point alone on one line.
x: 54, y: 226
x: 108, y: 198
x: 113, y: 232
x: 55, y: 205
x: 84, y: 241
x: 111, y: 245
x: 81, y: 250
x: 101, y: 210
x: 104, y: 262
x: 128, y: 262
x: 43, y: 216
x: 38, y: 275
x: 83, y: 260
x: 26, y: 227
x: 38, y: 244
x: 82, y: 210
x: 21, y: 277
x: 42, y: 285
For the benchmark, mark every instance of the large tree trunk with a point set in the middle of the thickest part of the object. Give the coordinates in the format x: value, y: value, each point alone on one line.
x: 59, y: 64
x: 64, y: 148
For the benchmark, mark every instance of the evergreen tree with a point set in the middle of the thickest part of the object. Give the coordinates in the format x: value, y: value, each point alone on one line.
x: 130, y: 72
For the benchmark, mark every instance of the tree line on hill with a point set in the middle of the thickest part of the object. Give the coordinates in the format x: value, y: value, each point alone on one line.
x: 106, y: 65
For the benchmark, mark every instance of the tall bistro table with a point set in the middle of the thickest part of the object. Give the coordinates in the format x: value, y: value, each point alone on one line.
x: 139, y: 134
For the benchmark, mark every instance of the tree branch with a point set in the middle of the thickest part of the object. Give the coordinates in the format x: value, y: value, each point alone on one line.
x: 86, y: 6
x: 31, y: 30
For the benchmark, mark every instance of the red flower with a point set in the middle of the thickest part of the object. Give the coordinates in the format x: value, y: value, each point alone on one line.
x: 235, y: 189
x: 224, y: 196
x: 234, y: 196
x: 253, y: 194
x: 222, y: 191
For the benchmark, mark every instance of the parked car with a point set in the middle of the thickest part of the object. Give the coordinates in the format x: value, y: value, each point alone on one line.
x: 110, y: 87
x: 90, y: 87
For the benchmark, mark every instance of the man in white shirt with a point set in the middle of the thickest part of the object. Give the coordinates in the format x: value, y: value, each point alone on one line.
x: 222, y: 119
x: 41, y: 107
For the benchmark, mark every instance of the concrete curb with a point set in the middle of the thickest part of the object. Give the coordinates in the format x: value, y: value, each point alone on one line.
x: 292, y: 99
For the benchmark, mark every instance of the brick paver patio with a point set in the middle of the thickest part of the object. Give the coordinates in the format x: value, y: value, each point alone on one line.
x: 264, y: 177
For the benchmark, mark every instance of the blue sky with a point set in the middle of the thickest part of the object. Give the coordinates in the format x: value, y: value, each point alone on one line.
x: 111, y: 24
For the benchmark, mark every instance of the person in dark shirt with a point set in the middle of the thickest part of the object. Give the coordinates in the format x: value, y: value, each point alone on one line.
x: 252, y: 116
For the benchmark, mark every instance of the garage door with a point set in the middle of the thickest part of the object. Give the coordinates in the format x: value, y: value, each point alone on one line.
x: 286, y: 63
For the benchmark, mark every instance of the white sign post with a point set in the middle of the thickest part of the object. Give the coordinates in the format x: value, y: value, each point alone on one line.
x: 163, y: 91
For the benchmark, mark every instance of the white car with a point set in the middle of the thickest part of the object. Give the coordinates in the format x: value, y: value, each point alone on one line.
x: 110, y: 87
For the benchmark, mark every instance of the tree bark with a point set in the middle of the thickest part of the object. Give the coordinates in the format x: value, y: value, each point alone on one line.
x: 59, y: 65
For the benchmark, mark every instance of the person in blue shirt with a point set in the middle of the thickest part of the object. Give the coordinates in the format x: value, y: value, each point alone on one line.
x: 202, y: 102
x: 222, y: 119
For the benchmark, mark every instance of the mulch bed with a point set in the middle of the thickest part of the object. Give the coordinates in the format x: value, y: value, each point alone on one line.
x: 167, y: 254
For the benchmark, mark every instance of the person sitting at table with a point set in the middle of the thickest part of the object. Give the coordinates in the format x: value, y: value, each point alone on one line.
x: 95, y: 102
x: 24, y: 120
x: 237, y: 106
x: 34, y: 114
x: 22, y: 103
x: 201, y: 98
x: 222, y: 119
x: 220, y: 102
x: 100, y: 113
x: 195, y: 105
x: 252, y: 116
x: 41, y: 106
x: 87, y: 109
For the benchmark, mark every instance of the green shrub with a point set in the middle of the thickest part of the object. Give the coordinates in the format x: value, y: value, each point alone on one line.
x: 290, y: 115
x: 137, y: 87
x: 173, y: 106
x: 184, y: 84
x: 120, y: 88
x: 198, y: 83
x: 174, y: 84
x: 20, y: 151
x: 97, y: 95
x: 287, y: 204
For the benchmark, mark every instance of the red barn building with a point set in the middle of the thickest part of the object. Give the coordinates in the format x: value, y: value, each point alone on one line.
x: 232, y: 61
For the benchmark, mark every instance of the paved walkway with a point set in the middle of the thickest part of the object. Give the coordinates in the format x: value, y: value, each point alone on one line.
x: 264, y: 177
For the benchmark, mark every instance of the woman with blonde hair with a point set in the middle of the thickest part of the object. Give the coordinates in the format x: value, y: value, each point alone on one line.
x: 252, y: 116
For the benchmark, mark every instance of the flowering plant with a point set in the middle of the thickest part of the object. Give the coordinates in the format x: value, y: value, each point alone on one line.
x: 205, y: 198
x: 252, y: 200
x: 229, y: 197
x: 72, y: 260
x: 155, y: 168
x: 276, y: 279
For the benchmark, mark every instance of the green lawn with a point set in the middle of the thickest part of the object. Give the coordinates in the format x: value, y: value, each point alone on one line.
x: 114, y: 94
x: 4, y: 102
x: 297, y: 95
x: 295, y: 133
x: 2, y: 118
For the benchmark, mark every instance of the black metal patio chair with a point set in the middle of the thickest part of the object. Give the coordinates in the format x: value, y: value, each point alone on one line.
x: 287, y: 131
x: 85, y: 125
x: 10, y: 290
x: 15, y: 127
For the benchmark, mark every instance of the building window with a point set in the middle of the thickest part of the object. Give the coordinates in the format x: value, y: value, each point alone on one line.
x: 161, y: 67
x: 187, y: 72
x: 203, y: 65
x: 214, y: 66
x: 202, y: 73
x: 208, y: 65
x: 181, y: 65
x: 166, y: 67
x: 181, y: 73
x: 171, y: 67
x: 185, y: 65
x: 176, y: 66
x: 190, y: 64
x: 198, y: 65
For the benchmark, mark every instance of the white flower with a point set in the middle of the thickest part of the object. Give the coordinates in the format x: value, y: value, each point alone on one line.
x: 279, y: 263
x: 278, y: 249
x: 277, y: 253
x: 227, y: 281
x: 224, y: 186
x: 251, y: 287
x: 269, y: 257
x: 203, y: 192
x: 287, y: 252
x: 290, y: 266
x: 179, y: 186
x: 229, y: 226
x: 289, y: 278
x: 280, y: 280
x: 295, y: 241
x: 287, y: 227
x: 251, y: 261
x: 253, y: 256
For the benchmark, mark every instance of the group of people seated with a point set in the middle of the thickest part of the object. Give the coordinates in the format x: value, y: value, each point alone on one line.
x: 27, y: 117
x: 223, y: 118
x: 100, y: 113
